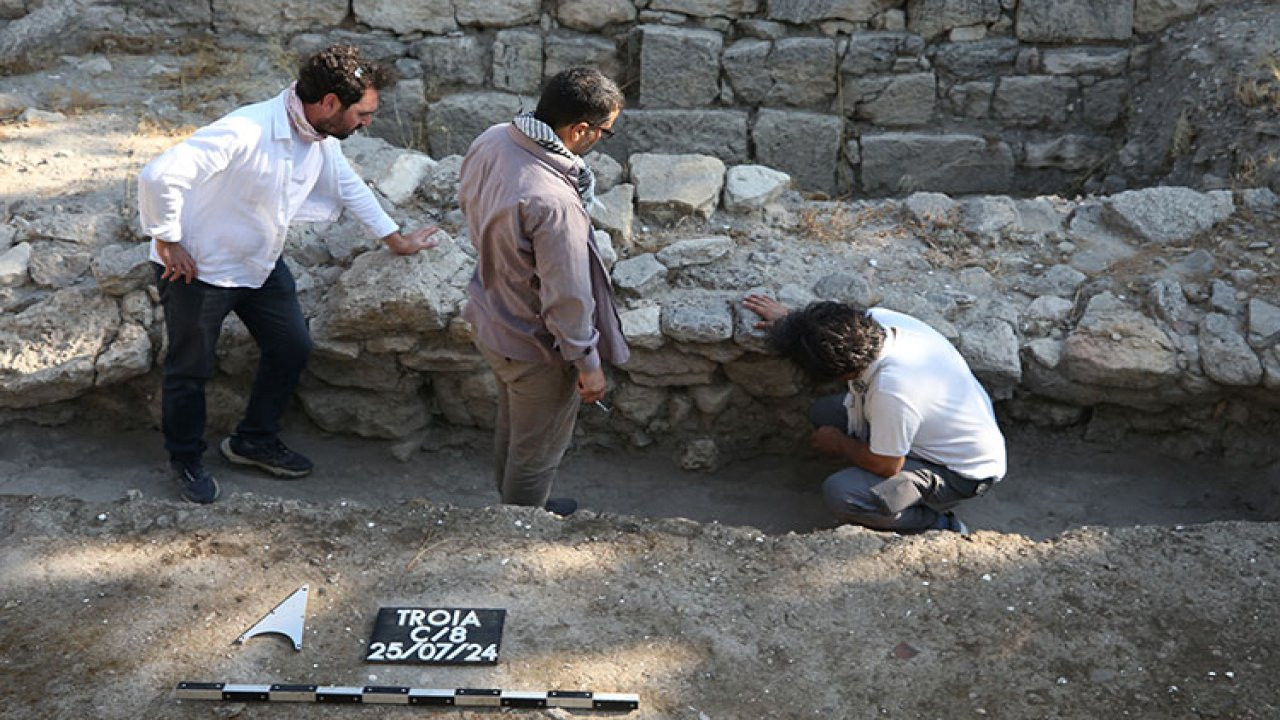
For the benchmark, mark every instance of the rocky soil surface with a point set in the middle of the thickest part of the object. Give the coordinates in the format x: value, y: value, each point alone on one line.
x: 106, y: 607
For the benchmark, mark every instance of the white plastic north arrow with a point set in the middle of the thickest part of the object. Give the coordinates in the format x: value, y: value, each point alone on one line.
x: 286, y: 619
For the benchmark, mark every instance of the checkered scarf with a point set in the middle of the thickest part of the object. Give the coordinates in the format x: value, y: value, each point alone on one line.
x: 541, y: 133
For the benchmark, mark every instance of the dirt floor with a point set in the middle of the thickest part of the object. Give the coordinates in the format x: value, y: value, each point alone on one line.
x: 114, y: 591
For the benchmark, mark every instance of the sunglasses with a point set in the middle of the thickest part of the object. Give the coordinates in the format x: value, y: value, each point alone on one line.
x: 607, y: 132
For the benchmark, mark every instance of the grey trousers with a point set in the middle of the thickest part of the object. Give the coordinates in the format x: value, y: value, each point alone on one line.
x: 537, y: 408
x: 908, y: 502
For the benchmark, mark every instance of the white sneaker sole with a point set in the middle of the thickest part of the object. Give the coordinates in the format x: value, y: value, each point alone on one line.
x: 231, y: 456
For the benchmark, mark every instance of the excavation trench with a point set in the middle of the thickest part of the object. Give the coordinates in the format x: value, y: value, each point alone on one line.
x: 1057, y: 481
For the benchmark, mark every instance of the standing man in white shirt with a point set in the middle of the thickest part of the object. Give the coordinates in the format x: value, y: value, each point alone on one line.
x: 916, y: 425
x: 217, y: 208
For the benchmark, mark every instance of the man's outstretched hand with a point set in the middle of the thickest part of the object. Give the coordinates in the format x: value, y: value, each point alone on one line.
x: 411, y: 243
x: 766, y: 307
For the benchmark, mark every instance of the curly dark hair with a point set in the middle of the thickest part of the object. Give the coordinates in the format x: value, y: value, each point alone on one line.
x: 577, y: 95
x: 828, y: 340
x: 339, y: 69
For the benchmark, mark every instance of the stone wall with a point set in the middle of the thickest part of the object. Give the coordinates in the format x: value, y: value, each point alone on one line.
x: 1153, y: 310
x: 875, y: 97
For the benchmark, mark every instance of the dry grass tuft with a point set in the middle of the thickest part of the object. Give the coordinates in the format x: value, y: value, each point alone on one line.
x: 151, y: 126
x: 71, y: 101
x: 1184, y: 135
x: 1262, y: 88
x: 828, y: 224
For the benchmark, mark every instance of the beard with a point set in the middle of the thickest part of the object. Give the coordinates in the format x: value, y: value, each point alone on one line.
x: 332, y: 130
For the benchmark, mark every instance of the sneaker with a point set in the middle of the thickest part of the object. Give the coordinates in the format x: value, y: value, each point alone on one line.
x: 270, y: 455
x: 198, y: 486
x: 949, y: 521
x: 561, y: 506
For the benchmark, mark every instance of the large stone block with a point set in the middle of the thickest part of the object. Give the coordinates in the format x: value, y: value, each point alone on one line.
x: 879, y: 52
x: 990, y: 347
x: 350, y: 411
x: 955, y: 164
x: 764, y: 376
x: 592, y: 15
x: 402, y: 112
x: 981, y: 60
x: 804, y: 12
x: 428, y: 16
x: 1104, y: 103
x: 892, y: 100
x: 675, y: 66
x: 1104, y: 61
x: 640, y: 275
x: 707, y: 8
x: 971, y: 99
x: 793, y: 71
x: 804, y: 145
x: 278, y: 18
x: 517, y: 61
x: 669, y: 187
x: 1067, y: 152
x: 697, y: 318
x: 128, y: 356
x: 1033, y: 99
x: 1118, y: 347
x: 451, y: 63
x: 56, y: 264
x: 1167, y: 215
x: 497, y: 13
x: 751, y: 187
x: 467, y: 399
x: 386, y: 294
x: 44, y: 358
x: 453, y: 122
x: 1068, y: 21
x: 1150, y: 16
x: 666, y: 368
x: 931, y: 18
x: 643, y: 326
x: 15, y: 264
x: 120, y: 269
x: 718, y: 133
x: 377, y: 45
x: 615, y: 212
x: 1225, y: 355
x: 566, y: 50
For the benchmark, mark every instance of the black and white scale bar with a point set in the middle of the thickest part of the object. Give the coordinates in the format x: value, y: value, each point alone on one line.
x: 383, y: 695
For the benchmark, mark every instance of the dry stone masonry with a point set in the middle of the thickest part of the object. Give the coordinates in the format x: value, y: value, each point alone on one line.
x: 1150, y: 309
x: 880, y: 97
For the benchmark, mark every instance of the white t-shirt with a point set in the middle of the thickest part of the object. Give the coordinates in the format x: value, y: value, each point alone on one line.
x: 922, y: 400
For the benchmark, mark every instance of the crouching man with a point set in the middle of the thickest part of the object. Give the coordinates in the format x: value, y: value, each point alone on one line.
x: 916, y: 425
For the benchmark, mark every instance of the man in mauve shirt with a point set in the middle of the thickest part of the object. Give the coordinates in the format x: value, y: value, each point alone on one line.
x: 540, y: 301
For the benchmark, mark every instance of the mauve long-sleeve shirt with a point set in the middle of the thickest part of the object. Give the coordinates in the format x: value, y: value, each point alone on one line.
x: 540, y: 292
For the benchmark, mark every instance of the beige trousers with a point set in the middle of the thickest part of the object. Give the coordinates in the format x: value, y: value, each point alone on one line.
x: 537, y: 408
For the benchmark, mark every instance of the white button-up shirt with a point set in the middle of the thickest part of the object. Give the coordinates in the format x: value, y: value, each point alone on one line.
x: 225, y: 193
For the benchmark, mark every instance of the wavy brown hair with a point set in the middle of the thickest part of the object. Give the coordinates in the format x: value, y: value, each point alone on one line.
x: 339, y: 69
x: 828, y: 340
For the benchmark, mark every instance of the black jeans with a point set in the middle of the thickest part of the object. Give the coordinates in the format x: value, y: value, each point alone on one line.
x: 193, y: 315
